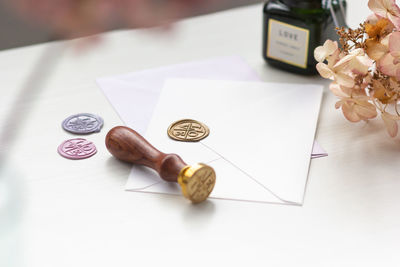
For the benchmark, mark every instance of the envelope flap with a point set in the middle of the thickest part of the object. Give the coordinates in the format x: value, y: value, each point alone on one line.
x: 232, y: 184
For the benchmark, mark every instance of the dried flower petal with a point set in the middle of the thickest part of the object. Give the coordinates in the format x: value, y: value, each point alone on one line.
x: 338, y: 104
x: 386, y: 65
x: 380, y: 92
x: 349, y: 112
x: 376, y: 50
x: 357, y: 110
x: 394, y: 44
x: 395, y: 85
x: 390, y: 63
x: 325, y: 71
x: 344, y: 79
x: 379, y: 28
x: 390, y: 123
x: 386, y: 9
x: 360, y: 64
x: 372, y: 19
x: 365, y: 110
x: 339, y: 91
x: 343, y: 63
x: 323, y: 52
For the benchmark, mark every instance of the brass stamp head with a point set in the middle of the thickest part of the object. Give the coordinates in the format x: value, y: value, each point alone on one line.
x: 188, y: 131
x: 197, y: 182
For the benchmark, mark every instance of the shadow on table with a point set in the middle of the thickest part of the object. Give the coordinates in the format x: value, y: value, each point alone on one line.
x: 199, y: 214
x: 118, y: 167
x: 193, y: 215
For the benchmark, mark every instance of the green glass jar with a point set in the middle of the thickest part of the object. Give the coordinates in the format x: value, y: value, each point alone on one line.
x: 294, y: 28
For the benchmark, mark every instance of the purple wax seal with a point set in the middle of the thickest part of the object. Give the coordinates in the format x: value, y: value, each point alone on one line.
x: 83, y: 123
x: 77, y: 148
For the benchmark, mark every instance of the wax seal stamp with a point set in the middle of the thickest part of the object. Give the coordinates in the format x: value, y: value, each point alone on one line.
x: 83, y: 123
x: 188, y: 131
x: 77, y: 148
x: 196, y: 181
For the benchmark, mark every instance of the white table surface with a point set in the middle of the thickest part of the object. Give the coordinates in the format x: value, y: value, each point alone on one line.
x: 76, y: 213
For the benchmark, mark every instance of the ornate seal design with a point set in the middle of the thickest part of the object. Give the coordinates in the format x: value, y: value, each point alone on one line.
x: 83, y: 123
x: 77, y: 148
x: 188, y: 131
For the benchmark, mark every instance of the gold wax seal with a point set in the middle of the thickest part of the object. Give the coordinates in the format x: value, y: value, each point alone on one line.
x: 197, y: 182
x: 188, y: 131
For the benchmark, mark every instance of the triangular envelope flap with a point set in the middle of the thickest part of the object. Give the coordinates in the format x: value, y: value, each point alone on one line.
x: 231, y: 184
x: 271, y: 137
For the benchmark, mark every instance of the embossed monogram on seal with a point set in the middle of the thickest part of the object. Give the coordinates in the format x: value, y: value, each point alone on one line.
x: 77, y: 148
x: 188, y: 131
x: 201, y: 185
x: 83, y: 123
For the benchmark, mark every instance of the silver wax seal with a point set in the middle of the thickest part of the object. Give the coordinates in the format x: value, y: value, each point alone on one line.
x: 83, y: 123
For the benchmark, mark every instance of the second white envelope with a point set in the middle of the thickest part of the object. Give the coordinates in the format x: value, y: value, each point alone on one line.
x: 261, y: 137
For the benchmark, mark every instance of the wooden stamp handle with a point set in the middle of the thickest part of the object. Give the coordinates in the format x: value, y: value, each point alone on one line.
x: 127, y: 145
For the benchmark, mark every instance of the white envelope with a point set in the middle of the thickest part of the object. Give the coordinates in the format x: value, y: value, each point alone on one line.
x: 135, y: 95
x: 261, y: 137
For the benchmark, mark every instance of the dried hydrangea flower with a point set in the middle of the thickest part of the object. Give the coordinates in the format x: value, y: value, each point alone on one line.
x: 365, y: 69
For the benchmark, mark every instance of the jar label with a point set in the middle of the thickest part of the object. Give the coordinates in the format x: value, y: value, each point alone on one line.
x: 288, y: 43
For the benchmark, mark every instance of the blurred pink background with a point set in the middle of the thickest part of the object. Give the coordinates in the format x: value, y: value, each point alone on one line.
x: 16, y: 31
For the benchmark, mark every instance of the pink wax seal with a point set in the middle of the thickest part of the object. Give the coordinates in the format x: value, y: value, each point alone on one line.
x: 77, y: 148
